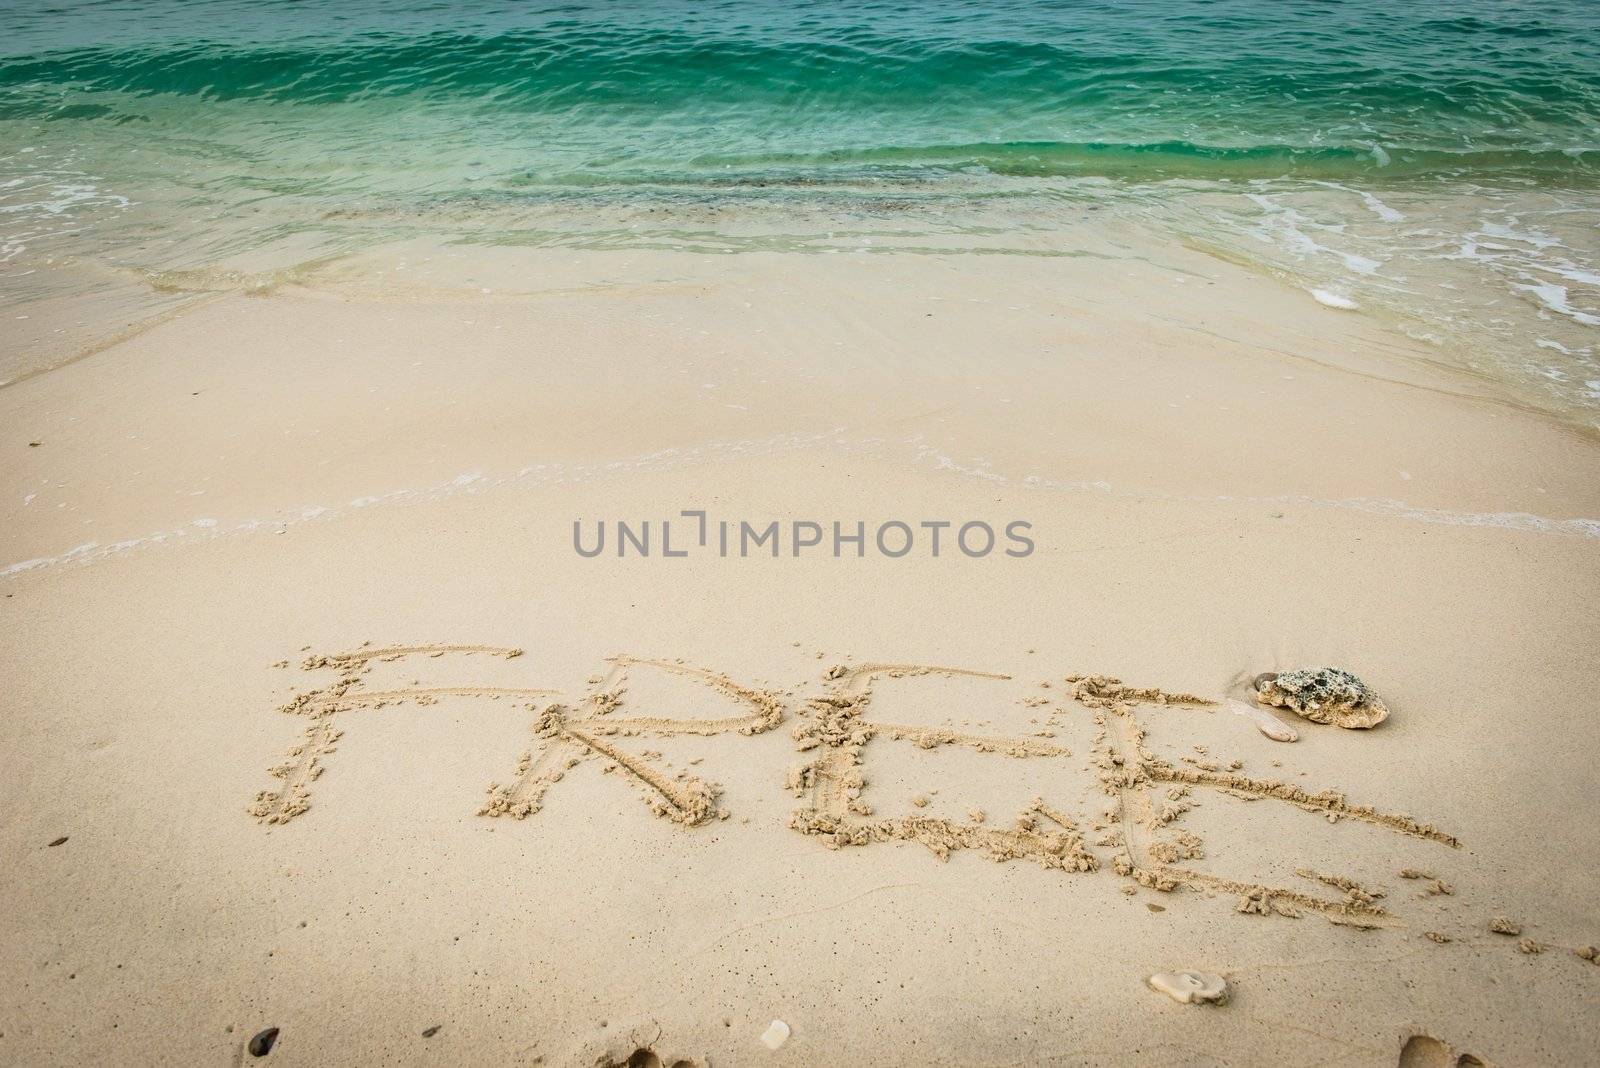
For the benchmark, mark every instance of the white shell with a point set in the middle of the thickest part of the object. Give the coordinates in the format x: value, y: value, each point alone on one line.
x: 776, y: 1034
x: 1190, y: 987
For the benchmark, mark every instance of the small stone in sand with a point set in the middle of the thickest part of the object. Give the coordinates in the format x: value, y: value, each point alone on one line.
x: 1501, y: 925
x: 431, y: 1031
x: 1191, y: 987
x: 1323, y: 695
x: 261, y: 1043
x: 60, y: 841
x: 776, y: 1034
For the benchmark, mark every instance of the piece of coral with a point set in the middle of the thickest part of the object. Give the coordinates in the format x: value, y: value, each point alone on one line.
x: 1323, y: 695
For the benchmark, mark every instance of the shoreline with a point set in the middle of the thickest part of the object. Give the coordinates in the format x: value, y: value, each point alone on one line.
x: 1039, y: 374
x: 1491, y: 316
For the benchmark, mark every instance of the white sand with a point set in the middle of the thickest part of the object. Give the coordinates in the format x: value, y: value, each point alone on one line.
x: 1222, y: 477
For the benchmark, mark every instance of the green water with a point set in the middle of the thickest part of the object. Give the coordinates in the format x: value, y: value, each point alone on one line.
x: 1438, y: 162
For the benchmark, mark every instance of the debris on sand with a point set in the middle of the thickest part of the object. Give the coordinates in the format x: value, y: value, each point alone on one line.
x: 261, y: 1043
x: 776, y: 1034
x: 1323, y: 695
x: 1191, y: 988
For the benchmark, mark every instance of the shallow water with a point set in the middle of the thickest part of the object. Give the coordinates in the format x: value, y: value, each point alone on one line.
x: 1438, y: 165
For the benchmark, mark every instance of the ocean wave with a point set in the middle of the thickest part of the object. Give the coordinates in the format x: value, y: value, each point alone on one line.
x: 1336, y: 89
x: 912, y: 164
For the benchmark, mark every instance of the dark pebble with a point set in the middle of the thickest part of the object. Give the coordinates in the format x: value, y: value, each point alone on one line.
x: 60, y: 841
x: 261, y: 1044
x: 430, y: 1032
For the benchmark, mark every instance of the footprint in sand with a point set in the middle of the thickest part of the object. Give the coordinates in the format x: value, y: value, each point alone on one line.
x: 634, y: 1043
x: 645, y: 1057
x: 1425, y: 1051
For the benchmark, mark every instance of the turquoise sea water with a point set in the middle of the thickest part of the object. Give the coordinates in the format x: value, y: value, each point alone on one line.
x: 1437, y: 163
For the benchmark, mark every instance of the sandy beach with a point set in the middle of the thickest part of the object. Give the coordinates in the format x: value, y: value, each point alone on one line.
x: 533, y: 807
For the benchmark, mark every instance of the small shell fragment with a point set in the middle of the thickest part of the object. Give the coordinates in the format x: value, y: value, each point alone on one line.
x: 1190, y: 988
x: 776, y: 1034
x: 1266, y: 722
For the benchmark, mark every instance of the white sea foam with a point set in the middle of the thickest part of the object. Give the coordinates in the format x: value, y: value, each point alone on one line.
x: 47, y: 203
x: 1287, y: 227
x: 1536, y: 238
x: 1379, y: 208
x: 1334, y: 300
x: 1565, y: 269
x: 1555, y: 298
x: 1373, y: 204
